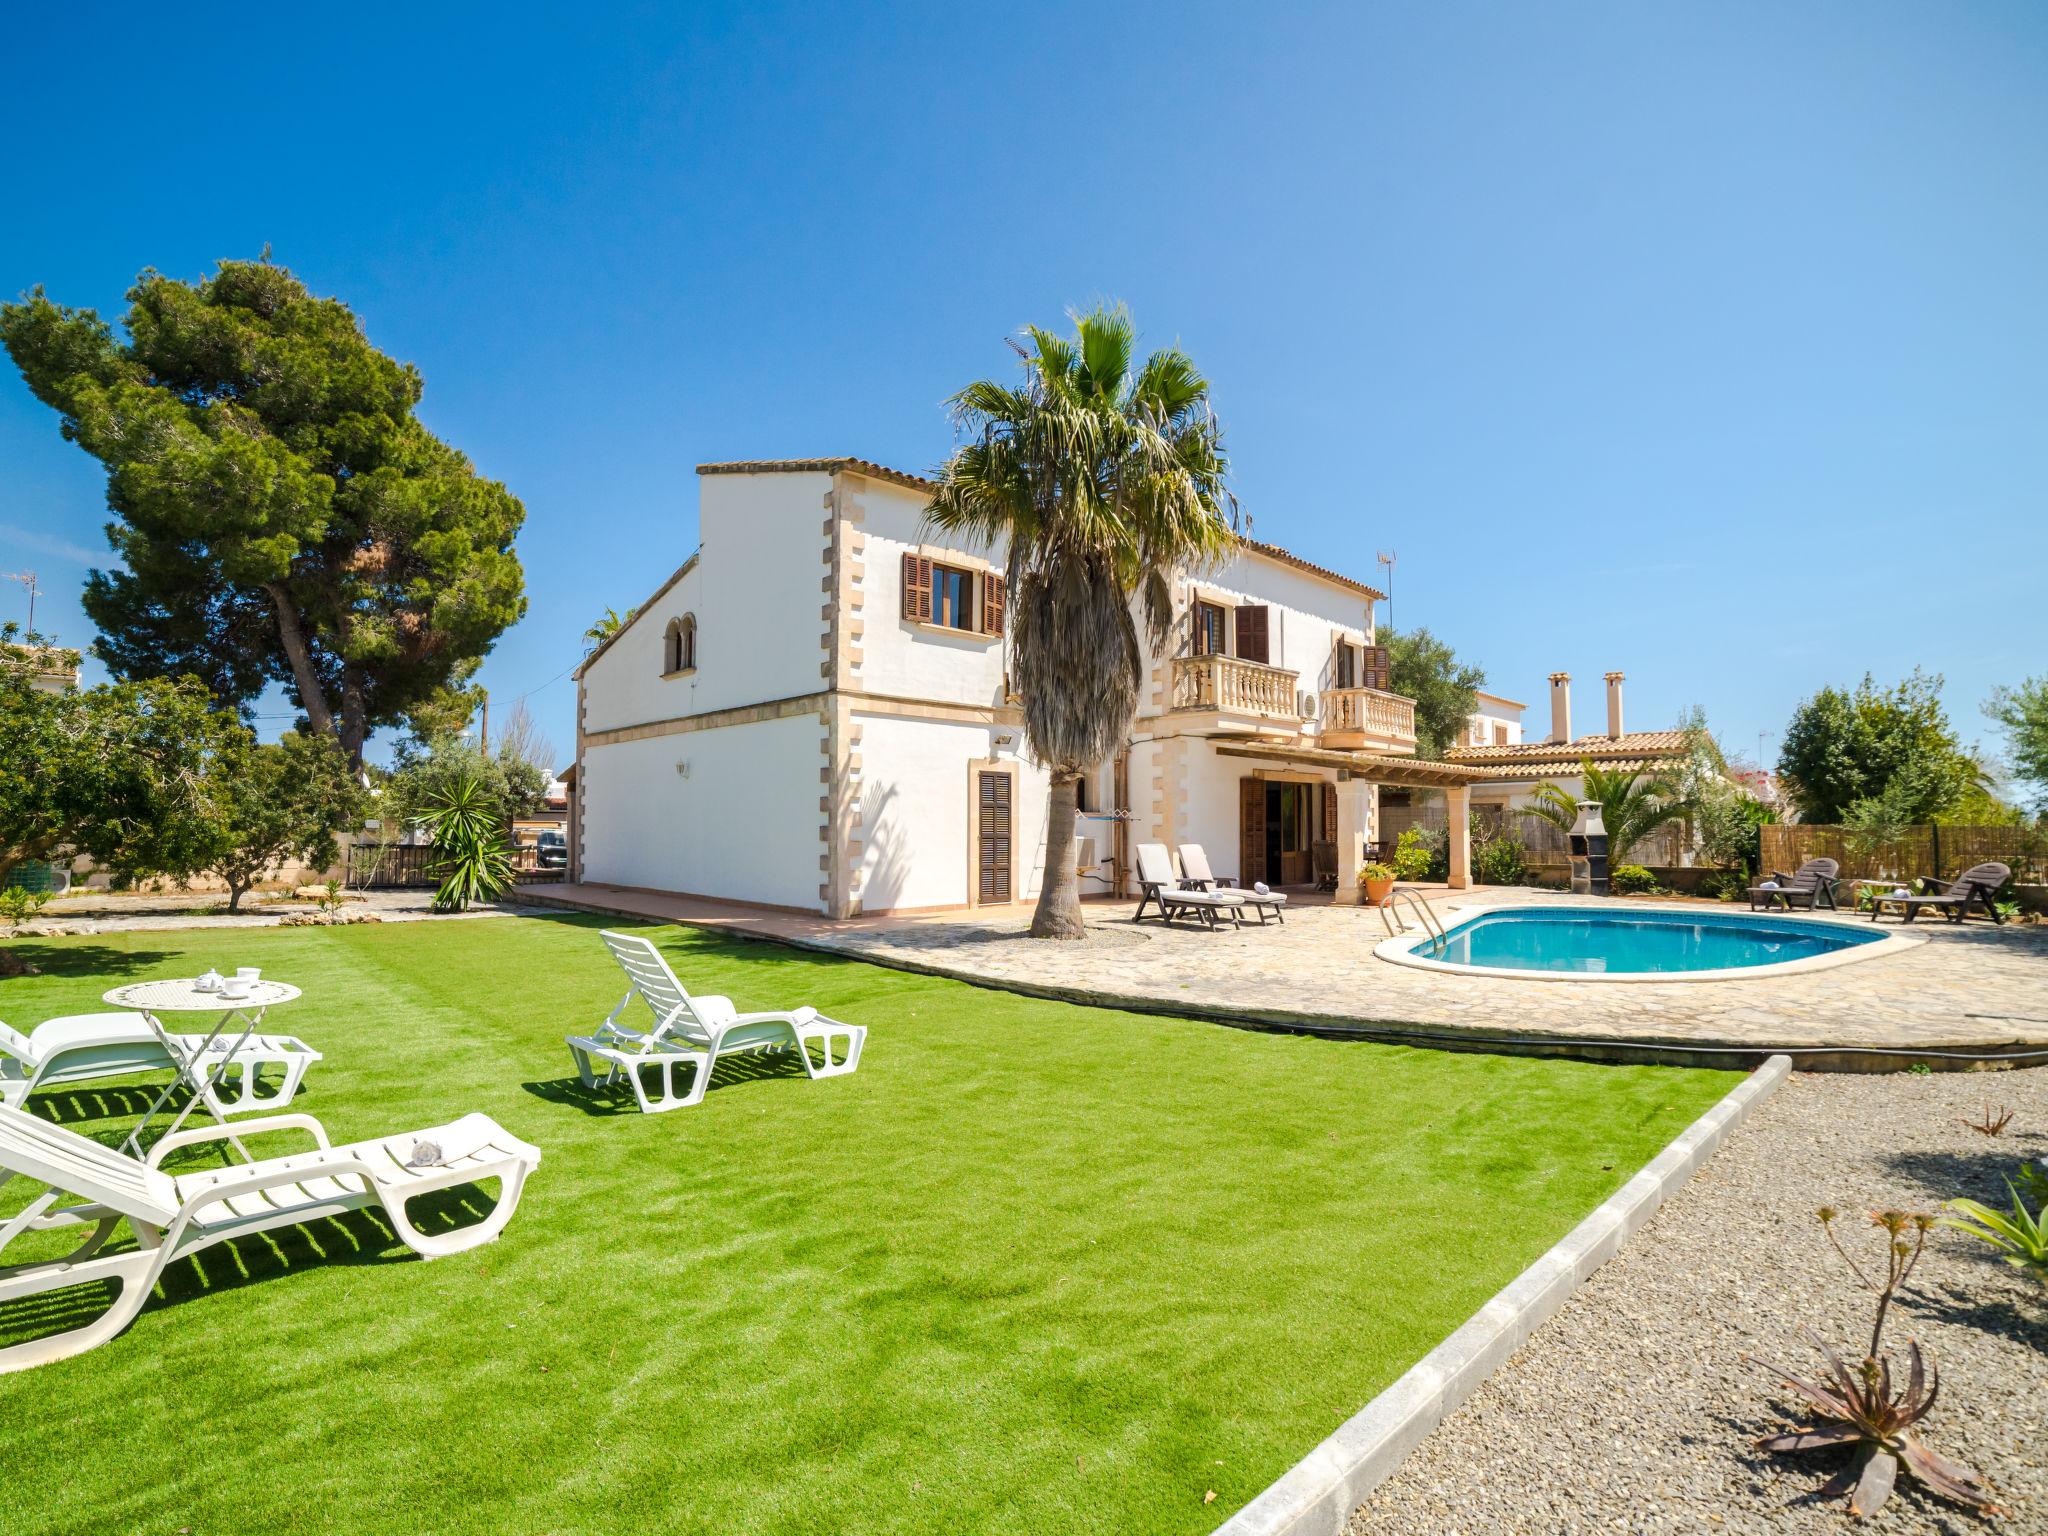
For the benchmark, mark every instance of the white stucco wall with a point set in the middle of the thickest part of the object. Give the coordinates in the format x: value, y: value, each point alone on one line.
x: 904, y: 659
x: 914, y: 812
x: 743, y: 824
x: 755, y: 592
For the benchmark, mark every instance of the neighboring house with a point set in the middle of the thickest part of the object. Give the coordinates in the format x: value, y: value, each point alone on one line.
x: 814, y: 712
x: 51, y: 668
x: 1494, y: 722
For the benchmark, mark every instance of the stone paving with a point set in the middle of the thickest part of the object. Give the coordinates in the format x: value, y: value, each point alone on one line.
x: 1967, y: 988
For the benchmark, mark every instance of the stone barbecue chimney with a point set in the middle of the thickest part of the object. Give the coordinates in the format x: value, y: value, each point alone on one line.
x: 1614, y: 703
x: 1560, y: 706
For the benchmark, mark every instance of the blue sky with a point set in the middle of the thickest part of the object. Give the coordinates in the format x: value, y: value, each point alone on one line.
x: 1708, y: 342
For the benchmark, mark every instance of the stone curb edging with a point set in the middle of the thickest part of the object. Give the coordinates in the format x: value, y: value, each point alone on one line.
x: 1317, y: 1495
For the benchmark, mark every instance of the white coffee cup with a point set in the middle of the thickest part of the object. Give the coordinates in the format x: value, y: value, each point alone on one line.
x: 248, y: 973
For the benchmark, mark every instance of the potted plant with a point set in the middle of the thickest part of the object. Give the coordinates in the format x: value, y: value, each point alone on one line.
x: 1377, y: 882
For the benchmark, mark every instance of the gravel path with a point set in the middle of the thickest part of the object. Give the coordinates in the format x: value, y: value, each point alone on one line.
x: 1632, y: 1410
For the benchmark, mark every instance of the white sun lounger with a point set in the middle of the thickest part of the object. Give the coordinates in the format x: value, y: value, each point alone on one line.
x: 695, y: 1032
x: 82, y: 1047
x: 1194, y: 867
x: 1158, y: 886
x: 175, y: 1215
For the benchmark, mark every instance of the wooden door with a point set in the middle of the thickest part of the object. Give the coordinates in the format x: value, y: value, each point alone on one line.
x: 993, y: 837
x: 1251, y: 840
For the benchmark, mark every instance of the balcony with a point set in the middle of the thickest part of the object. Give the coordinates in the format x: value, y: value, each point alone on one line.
x: 1238, y: 690
x: 1355, y: 719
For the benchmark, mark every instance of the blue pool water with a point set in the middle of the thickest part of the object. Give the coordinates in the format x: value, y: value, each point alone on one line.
x: 1599, y: 941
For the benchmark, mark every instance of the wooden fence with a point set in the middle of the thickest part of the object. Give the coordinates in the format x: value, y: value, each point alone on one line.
x: 1665, y: 848
x: 1940, y: 852
x: 389, y: 866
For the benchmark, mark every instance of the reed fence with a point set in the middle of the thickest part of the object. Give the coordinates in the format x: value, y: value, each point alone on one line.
x: 1941, y: 853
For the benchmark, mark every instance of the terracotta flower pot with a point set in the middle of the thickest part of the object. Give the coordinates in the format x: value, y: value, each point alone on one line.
x: 1377, y: 892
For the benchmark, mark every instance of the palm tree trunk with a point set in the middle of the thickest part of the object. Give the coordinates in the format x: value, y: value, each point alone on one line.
x: 1059, y: 896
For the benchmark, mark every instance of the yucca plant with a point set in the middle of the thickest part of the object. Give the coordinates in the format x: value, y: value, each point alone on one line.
x: 473, y: 863
x: 1632, y: 805
x: 1863, y: 1408
x: 2019, y: 1235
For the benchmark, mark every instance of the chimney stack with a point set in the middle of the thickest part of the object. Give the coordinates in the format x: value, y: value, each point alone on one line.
x: 1614, y: 704
x: 1560, y: 706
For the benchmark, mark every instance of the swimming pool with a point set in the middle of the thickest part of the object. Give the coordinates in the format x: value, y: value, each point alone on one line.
x: 1592, y: 943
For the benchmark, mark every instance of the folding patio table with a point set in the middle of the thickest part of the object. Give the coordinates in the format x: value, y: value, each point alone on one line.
x: 152, y: 999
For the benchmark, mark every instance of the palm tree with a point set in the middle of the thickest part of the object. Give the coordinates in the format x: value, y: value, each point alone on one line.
x: 612, y: 622
x: 1103, y: 482
x: 1632, y: 806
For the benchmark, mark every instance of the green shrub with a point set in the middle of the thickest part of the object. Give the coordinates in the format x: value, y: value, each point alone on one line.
x: 1630, y: 880
x: 1500, y: 861
x: 1412, y: 856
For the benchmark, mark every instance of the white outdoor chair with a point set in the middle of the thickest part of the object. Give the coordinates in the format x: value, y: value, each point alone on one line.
x: 1196, y: 875
x: 83, y: 1047
x: 1159, y: 886
x: 695, y: 1032
x: 172, y: 1215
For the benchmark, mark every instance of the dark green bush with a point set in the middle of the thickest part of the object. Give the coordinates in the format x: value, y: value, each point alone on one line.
x: 1630, y: 880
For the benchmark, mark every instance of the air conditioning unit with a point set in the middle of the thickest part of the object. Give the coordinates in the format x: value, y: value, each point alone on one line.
x: 1305, y: 703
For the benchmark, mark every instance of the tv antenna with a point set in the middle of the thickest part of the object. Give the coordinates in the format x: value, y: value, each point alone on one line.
x: 27, y: 579
x: 1386, y: 560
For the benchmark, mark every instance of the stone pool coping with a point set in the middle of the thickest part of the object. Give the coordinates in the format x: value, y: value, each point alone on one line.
x: 1963, y: 997
x: 1400, y: 950
x: 1315, y: 1497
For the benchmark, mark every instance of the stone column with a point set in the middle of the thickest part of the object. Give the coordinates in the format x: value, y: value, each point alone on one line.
x: 1354, y: 826
x: 1458, y: 805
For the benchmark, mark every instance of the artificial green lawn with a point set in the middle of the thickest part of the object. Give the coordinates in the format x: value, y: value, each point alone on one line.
x: 1033, y: 1268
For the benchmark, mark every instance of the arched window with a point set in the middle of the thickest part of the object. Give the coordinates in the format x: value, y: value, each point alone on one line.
x: 679, y: 648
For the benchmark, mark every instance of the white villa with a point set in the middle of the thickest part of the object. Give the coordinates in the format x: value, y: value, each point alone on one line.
x: 814, y: 713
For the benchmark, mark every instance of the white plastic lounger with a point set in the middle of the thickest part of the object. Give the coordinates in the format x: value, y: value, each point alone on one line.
x: 1158, y: 886
x: 82, y: 1047
x: 695, y: 1032
x: 175, y: 1215
x: 1194, y: 867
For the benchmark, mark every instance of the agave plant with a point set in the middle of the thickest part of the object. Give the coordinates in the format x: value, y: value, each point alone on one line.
x: 474, y: 863
x: 1863, y: 1408
x: 2019, y: 1235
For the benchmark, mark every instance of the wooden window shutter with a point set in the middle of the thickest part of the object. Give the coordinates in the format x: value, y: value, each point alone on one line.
x: 1347, y: 665
x: 991, y: 603
x: 1251, y: 634
x: 1329, y: 813
x: 917, y: 588
x: 1378, y: 670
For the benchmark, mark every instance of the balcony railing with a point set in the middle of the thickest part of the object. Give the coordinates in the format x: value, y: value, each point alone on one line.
x: 1368, y: 712
x: 1233, y: 686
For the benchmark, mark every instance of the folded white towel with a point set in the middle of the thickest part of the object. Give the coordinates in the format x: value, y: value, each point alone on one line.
x: 1262, y: 888
x: 425, y: 1154
x: 1768, y: 885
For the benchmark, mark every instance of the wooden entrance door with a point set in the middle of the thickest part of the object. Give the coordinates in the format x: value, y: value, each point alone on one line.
x: 992, y: 837
x: 1251, y: 836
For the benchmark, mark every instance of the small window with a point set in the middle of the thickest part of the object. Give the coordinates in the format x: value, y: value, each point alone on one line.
x: 1347, y: 664
x: 1084, y: 794
x: 679, y: 645
x: 1212, y: 630
x: 953, y: 598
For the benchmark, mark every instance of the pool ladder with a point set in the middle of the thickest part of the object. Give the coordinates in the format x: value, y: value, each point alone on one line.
x: 1431, y: 923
